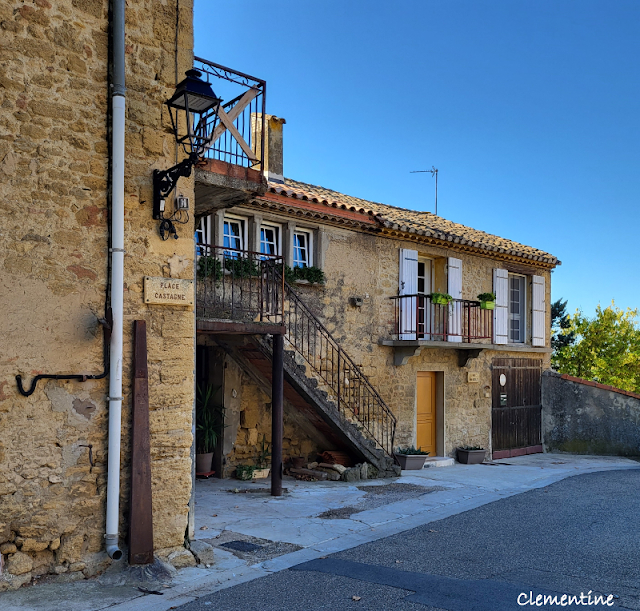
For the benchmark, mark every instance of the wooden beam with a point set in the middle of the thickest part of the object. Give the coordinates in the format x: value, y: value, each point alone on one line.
x: 140, y: 510
x: 227, y: 119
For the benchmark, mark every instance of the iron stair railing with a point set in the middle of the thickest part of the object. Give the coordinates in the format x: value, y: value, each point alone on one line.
x: 354, y: 395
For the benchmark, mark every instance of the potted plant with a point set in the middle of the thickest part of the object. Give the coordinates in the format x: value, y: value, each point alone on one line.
x: 470, y: 455
x: 262, y: 469
x: 411, y: 458
x: 304, y: 275
x: 245, y: 472
x: 441, y: 298
x: 487, y: 301
x: 208, y: 423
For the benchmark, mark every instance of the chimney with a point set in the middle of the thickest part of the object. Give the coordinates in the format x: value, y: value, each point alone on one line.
x: 272, y: 166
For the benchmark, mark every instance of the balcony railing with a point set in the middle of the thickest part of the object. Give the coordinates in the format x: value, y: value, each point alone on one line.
x: 239, y: 285
x: 238, y: 130
x: 462, y: 320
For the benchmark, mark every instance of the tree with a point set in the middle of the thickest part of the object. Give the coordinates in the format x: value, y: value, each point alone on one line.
x: 605, y: 349
x: 561, y: 333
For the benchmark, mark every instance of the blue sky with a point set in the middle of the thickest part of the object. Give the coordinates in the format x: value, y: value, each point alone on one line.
x: 530, y: 111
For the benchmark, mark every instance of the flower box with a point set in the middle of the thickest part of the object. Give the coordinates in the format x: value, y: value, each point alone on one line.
x: 411, y: 462
x: 487, y: 305
x: 470, y: 457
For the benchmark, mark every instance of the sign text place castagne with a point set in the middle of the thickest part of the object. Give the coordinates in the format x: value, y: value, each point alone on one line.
x: 168, y: 291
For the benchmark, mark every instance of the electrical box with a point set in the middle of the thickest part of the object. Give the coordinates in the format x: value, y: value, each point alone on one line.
x: 182, y: 203
x: 473, y: 377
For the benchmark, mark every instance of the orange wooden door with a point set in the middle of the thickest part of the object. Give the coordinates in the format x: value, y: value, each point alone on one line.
x: 426, y: 417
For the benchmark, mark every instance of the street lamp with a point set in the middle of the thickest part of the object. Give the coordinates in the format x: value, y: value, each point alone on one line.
x: 195, y: 105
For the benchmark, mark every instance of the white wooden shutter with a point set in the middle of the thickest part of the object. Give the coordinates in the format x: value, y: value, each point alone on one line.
x: 454, y: 288
x: 408, y: 278
x: 538, y: 326
x: 501, y: 311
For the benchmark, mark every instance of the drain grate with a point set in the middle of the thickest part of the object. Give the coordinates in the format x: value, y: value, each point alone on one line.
x: 241, y: 546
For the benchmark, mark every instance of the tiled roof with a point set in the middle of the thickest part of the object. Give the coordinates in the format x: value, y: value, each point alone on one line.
x: 415, y: 222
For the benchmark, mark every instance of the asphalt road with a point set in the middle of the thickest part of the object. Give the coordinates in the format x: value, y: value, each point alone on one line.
x: 579, y: 535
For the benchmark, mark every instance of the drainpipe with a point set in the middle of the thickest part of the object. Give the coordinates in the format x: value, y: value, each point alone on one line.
x: 117, y: 279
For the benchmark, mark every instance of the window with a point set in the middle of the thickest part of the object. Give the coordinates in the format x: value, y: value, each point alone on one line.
x: 203, y: 236
x: 233, y: 236
x: 517, y: 308
x: 424, y: 288
x: 270, y: 239
x: 302, y: 249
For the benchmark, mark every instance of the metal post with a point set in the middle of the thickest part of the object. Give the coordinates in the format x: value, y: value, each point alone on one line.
x: 277, y: 426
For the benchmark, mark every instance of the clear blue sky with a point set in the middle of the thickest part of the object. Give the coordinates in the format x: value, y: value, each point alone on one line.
x: 530, y: 111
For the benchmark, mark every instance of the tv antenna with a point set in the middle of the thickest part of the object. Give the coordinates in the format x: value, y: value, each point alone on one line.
x: 434, y: 172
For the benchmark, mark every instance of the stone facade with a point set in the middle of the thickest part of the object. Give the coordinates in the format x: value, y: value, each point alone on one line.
x: 54, y: 173
x: 366, y: 265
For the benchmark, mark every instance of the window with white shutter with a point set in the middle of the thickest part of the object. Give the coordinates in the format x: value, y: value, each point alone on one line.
x: 454, y: 288
x: 408, y: 285
x: 501, y: 311
x: 538, y: 326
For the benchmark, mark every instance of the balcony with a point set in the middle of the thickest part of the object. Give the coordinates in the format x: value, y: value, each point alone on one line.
x: 461, y: 325
x: 233, y: 167
x: 418, y: 318
x: 239, y: 291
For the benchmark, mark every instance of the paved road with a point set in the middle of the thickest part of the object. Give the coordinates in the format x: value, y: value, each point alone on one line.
x: 581, y: 534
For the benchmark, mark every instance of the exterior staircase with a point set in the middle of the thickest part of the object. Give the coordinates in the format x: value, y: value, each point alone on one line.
x: 320, y: 379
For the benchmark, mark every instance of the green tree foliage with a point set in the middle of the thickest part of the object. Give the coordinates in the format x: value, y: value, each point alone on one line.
x: 606, y: 348
x: 561, y: 333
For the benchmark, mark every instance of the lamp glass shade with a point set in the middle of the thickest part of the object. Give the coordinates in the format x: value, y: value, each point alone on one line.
x: 194, y: 93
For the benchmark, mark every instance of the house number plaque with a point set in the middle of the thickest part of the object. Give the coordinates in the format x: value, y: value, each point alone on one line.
x: 168, y: 291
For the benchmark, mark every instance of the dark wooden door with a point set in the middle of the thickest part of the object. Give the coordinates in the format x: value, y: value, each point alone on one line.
x: 516, y: 411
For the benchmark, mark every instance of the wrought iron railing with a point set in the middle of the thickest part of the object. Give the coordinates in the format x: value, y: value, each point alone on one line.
x: 239, y: 285
x: 461, y: 320
x: 353, y: 394
x: 238, y: 130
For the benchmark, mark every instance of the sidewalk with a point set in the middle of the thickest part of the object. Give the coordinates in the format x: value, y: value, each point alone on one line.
x: 311, y: 520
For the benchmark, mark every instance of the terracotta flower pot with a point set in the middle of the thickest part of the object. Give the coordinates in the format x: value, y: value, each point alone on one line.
x: 203, y: 462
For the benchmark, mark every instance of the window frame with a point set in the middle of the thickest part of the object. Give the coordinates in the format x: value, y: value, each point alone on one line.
x: 278, y: 238
x: 522, y: 316
x: 309, y: 248
x: 243, y: 221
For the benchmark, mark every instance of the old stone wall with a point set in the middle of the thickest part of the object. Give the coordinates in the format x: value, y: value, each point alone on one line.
x: 583, y: 417
x: 367, y: 266
x: 247, y: 417
x: 54, y: 165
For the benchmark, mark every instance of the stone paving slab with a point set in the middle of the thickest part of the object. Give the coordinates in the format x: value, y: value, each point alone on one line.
x: 293, y: 519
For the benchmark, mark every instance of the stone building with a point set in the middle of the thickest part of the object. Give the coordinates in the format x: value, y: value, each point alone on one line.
x: 450, y: 375
x: 58, y: 183
x: 84, y: 128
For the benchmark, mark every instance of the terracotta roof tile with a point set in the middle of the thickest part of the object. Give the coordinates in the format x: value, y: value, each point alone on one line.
x: 412, y: 221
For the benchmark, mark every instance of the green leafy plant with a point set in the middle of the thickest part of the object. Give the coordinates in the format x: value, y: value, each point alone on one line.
x: 262, y: 462
x: 313, y: 275
x: 245, y: 472
x: 241, y: 267
x: 209, y: 267
x: 209, y: 419
x: 470, y: 448
x: 487, y: 297
x: 441, y: 298
x: 411, y: 451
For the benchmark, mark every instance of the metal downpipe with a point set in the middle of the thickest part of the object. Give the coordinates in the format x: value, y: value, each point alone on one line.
x: 117, y: 279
